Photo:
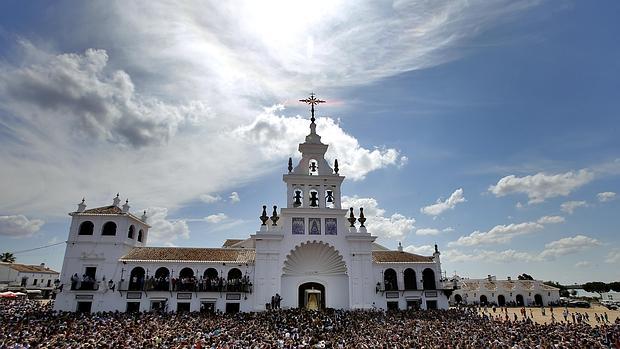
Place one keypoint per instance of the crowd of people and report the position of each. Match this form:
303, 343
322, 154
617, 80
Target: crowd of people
501, 313
31, 324
190, 284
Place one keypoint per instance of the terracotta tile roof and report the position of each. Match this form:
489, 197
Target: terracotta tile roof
489, 285
190, 254
23, 268
398, 257
104, 210
108, 210
377, 247
231, 242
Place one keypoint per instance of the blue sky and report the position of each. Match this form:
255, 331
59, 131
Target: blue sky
489, 128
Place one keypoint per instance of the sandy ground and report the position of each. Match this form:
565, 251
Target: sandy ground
536, 313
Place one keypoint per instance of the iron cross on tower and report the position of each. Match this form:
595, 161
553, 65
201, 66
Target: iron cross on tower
312, 101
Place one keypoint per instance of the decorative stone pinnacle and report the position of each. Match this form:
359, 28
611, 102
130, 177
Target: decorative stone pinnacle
274, 216
116, 200
126, 206
82, 205
264, 218
336, 169
351, 218
362, 219
290, 165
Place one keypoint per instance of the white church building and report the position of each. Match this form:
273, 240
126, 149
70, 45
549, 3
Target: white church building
508, 292
310, 254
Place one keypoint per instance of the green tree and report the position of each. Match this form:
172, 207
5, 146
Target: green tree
614, 286
563, 290
596, 287
7, 257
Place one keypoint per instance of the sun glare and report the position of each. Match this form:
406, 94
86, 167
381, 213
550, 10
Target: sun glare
287, 24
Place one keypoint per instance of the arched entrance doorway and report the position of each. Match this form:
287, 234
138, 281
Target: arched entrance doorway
538, 300
315, 267
519, 300
458, 299
501, 300
311, 296
483, 300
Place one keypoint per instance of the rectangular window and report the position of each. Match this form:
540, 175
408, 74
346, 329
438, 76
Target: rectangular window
431, 304
183, 307
413, 304
298, 226
314, 226
392, 305
133, 307
232, 308
159, 305
84, 307
207, 307
34, 282
331, 226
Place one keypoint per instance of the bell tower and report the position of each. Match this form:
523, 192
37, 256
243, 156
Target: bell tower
313, 183
312, 243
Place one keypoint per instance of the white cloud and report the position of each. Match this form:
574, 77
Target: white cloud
18, 226
552, 250
568, 245
606, 196
354, 161
216, 218
613, 256
570, 206
424, 250
427, 231
448, 230
505, 256
499, 234
234, 197
542, 186
152, 116
551, 220
81, 91
163, 230
583, 264
391, 227
441, 206
210, 199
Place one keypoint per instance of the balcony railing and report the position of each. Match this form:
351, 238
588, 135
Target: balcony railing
381, 287
188, 286
89, 285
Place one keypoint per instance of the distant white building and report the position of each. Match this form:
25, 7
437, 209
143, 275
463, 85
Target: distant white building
312, 254
610, 296
33, 279
502, 292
